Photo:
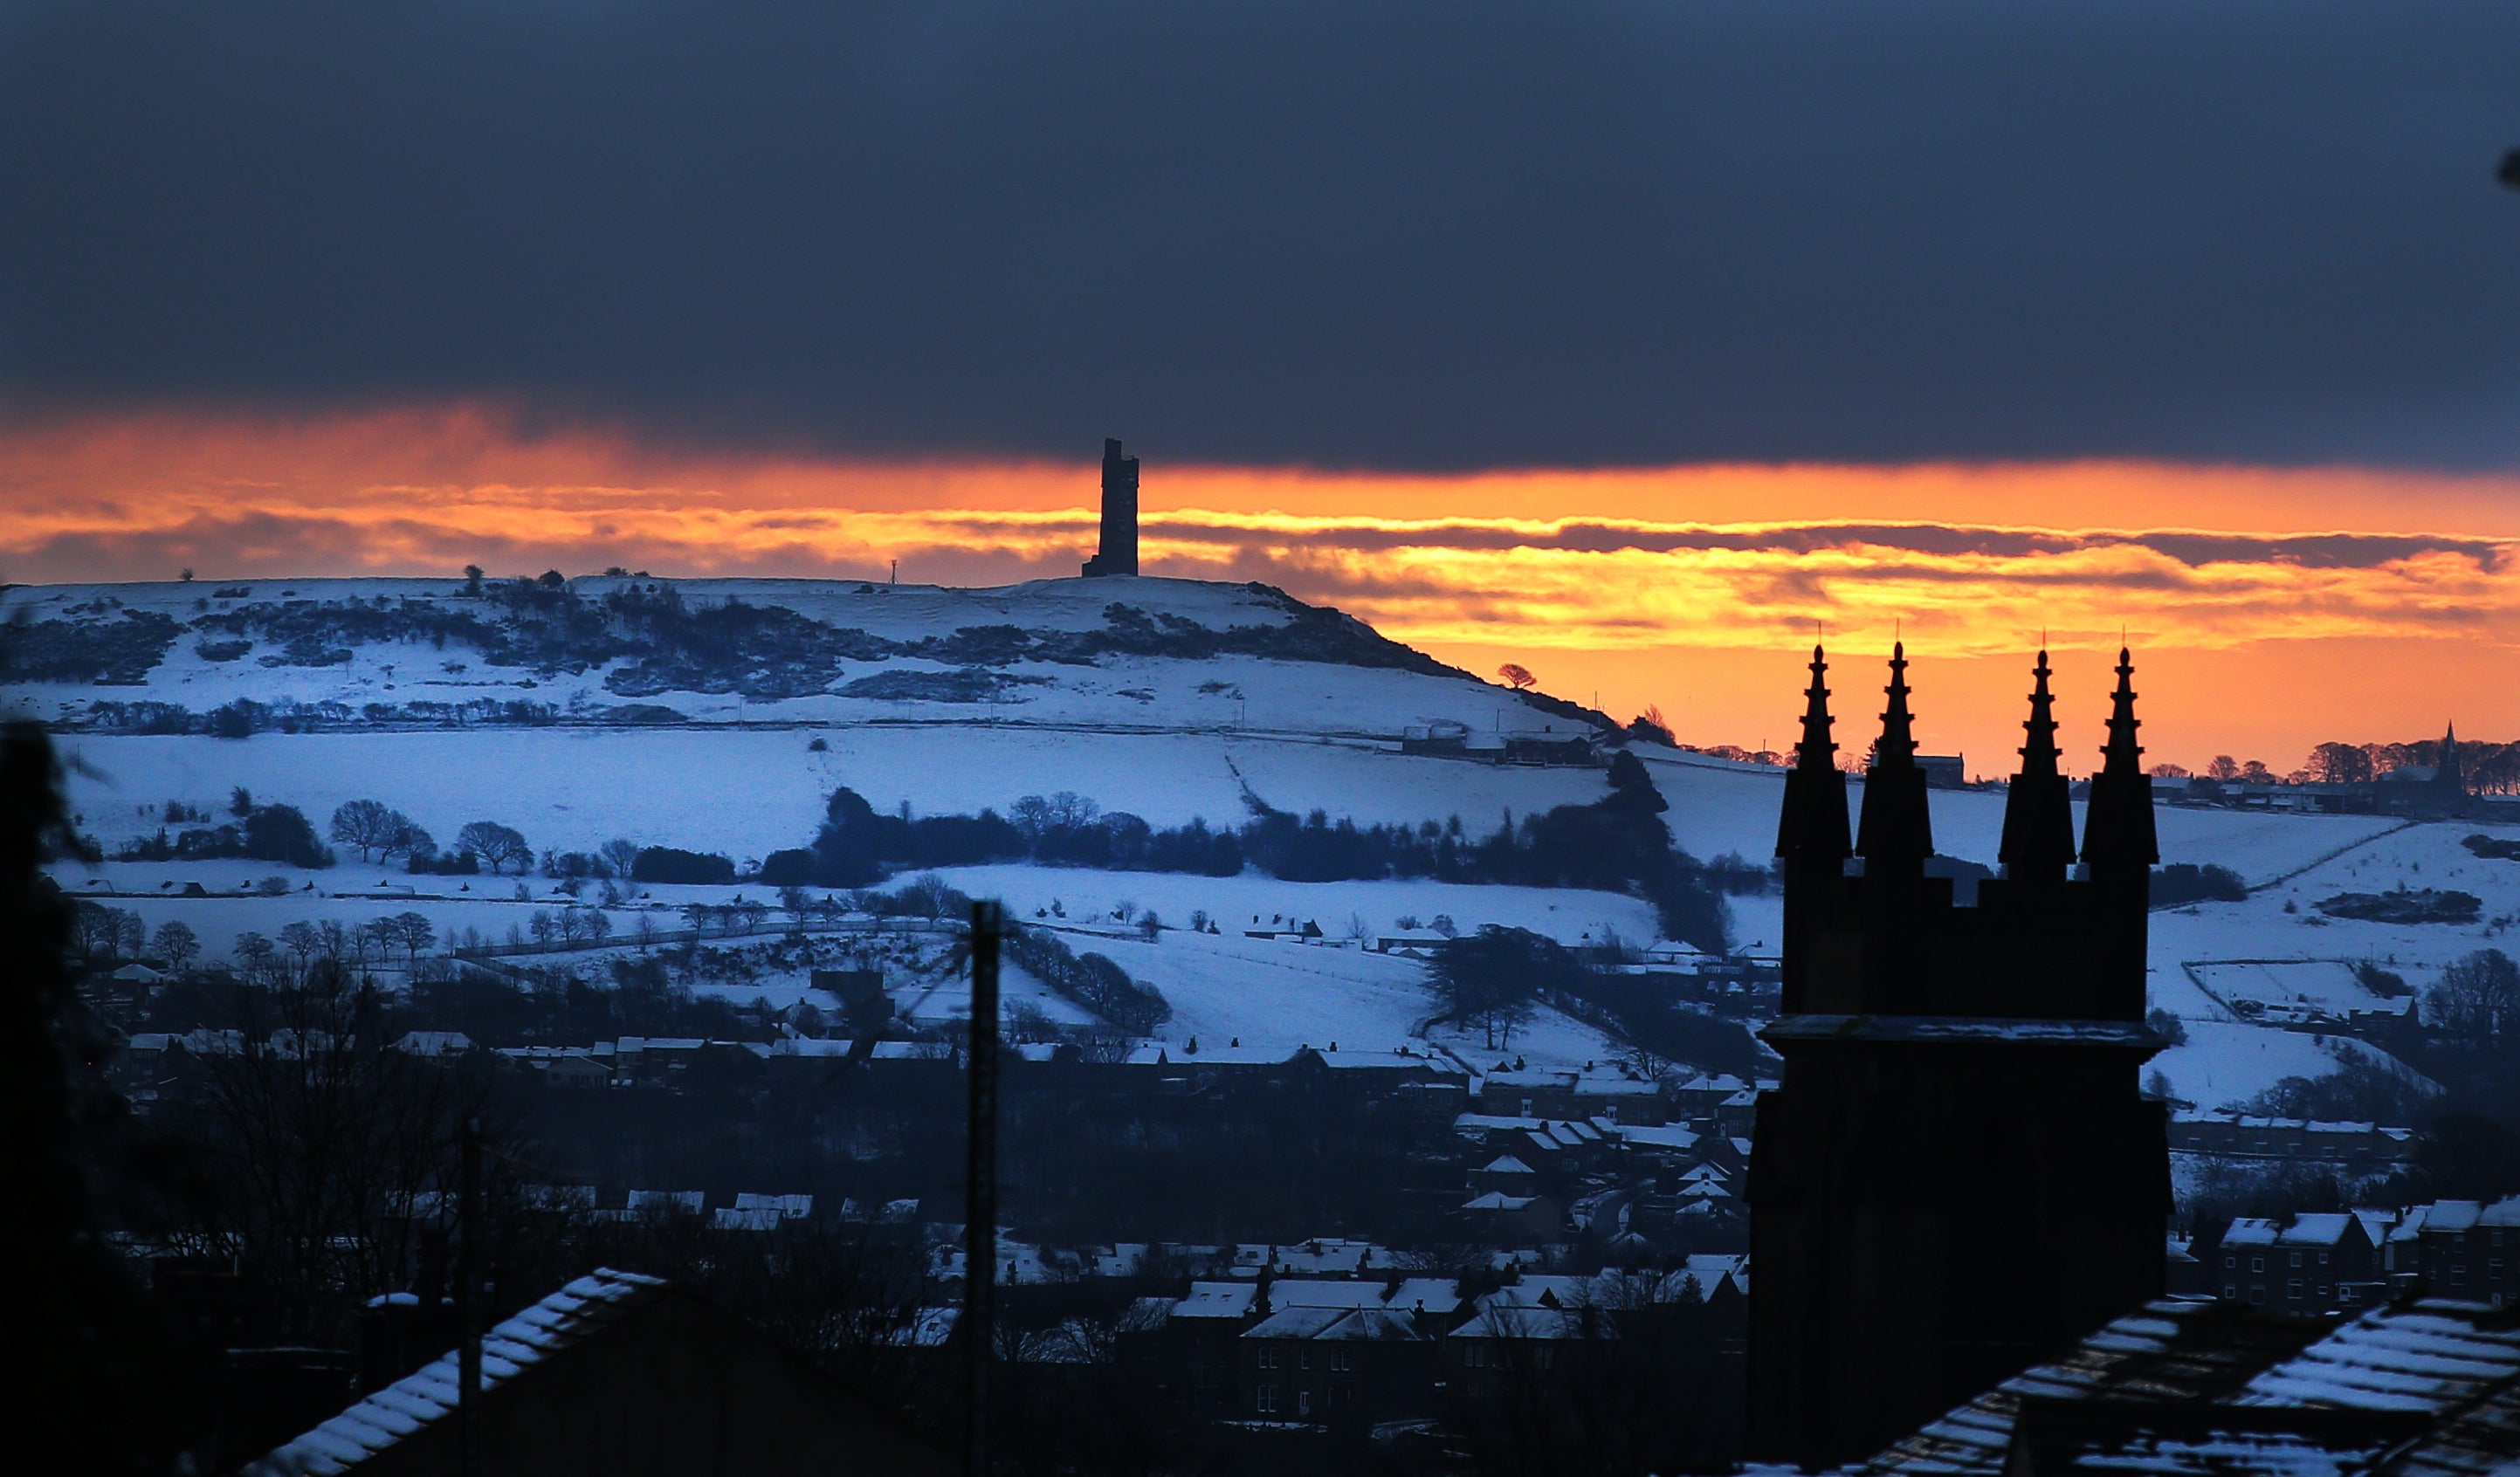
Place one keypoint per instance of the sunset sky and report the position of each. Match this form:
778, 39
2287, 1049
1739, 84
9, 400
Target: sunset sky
1626, 340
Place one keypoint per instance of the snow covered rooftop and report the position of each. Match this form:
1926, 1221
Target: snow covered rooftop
2424, 1357
1382, 1325
2183, 1386
1295, 1322
567, 1317
1431, 1294
1230, 1300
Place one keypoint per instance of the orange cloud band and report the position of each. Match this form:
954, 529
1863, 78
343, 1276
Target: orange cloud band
1974, 562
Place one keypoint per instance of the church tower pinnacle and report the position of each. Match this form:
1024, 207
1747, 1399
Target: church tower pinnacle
2037, 819
1897, 831
2118, 833
1811, 834
1813, 826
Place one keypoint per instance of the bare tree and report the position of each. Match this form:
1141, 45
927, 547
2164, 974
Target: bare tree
366, 824
497, 845
410, 839
255, 956
176, 944
2477, 1000
300, 939
621, 855
1517, 676
326, 1141
95, 929
414, 932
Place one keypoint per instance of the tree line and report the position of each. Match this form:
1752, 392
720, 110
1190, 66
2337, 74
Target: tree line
2490, 768
1618, 843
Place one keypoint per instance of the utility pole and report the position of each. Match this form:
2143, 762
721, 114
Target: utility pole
468, 1305
980, 1194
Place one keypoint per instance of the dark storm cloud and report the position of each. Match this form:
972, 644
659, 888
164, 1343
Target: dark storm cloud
1401, 235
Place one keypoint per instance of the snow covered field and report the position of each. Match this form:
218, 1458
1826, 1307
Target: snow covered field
1165, 739
751, 792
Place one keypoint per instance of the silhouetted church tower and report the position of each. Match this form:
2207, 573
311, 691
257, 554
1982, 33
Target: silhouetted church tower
1119, 553
1959, 1174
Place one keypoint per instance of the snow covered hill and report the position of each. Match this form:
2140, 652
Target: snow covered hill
718, 715
1121, 653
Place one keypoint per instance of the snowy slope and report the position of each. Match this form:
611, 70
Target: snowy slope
747, 792
1084, 652
727, 763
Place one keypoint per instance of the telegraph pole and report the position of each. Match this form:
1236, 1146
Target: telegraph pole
468, 1305
980, 1194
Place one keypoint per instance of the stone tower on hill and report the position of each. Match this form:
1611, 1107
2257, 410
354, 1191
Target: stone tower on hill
1119, 553
1959, 1174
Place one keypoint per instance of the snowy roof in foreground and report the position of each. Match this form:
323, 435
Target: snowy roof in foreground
2424, 1357
565, 1319
1975, 1438
2446, 1375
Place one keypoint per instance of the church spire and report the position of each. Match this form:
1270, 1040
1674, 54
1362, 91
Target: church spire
2118, 830
1897, 828
2038, 822
1814, 827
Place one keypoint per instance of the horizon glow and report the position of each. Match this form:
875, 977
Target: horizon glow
2270, 609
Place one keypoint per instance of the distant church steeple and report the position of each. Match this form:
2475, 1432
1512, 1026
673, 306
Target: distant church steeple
2037, 818
1897, 831
1119, 553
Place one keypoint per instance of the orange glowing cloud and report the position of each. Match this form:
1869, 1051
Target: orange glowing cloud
2275, 608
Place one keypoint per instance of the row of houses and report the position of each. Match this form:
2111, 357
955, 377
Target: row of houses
1359, 1354
2323, 1263
2356, 1148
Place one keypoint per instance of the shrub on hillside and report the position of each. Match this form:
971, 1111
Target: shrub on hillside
98, 652
283, 834
2187, 882
792, 867
2491, 848
2419, 906
672, 864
